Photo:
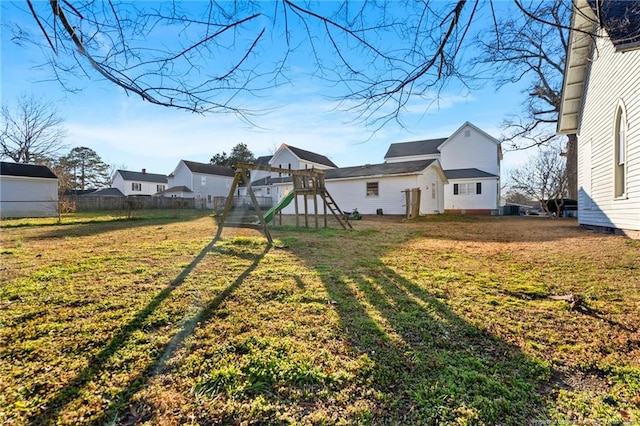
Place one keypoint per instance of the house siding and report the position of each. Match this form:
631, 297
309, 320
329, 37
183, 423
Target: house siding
612, 80
147, 188
473, 151
204, 186
350, 194
28, 197
484, 202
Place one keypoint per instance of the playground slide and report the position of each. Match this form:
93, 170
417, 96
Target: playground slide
268, 216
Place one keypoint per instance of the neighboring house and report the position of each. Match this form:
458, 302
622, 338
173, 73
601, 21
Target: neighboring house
138, 183
470, 159
205, 181
105, 192
181, 191
601, 106
27, 190
460, 173
286, 157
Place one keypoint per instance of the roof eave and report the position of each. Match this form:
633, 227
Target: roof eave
575, 71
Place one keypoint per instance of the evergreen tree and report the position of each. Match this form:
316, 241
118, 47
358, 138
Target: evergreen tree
86, 168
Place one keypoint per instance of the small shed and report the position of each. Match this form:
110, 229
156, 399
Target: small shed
27, 190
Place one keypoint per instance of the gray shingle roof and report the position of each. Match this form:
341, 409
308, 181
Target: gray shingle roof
263, 160
311, 156
26, 170
621, 19
467, 174
209, 169
142, 177
423, 147
106, 192
181, 188
404, 167
268, 180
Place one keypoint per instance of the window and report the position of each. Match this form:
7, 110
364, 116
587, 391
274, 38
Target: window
433, 191
136, 186
209, 198
203, 180
372, 189
467, 188
159, 188
620, 149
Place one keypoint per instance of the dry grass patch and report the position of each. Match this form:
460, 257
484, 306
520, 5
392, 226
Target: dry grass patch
441, 320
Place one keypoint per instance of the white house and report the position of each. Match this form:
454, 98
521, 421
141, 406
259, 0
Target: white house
200, 181
27, 190
286, 157
460, 173
138, 183
601, 106
374, 188
470, 159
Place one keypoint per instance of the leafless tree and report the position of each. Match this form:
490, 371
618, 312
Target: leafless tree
200, 56
543, 178
30, 131
531, 47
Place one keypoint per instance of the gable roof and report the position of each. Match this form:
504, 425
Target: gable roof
142, 177
106, 192
263, 160
467, 174
180, 188
477, 129
621, 20
422, 147
399, 168
310, 156
26, 170
209, 169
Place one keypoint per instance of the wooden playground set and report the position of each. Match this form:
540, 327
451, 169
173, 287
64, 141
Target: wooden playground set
308, 184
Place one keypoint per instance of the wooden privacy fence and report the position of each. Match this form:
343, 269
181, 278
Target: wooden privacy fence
97, 203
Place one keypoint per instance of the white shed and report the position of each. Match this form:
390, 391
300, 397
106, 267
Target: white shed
27, 190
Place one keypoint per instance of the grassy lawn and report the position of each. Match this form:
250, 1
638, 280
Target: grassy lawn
442, 320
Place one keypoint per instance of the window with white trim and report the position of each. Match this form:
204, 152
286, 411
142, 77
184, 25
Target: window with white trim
159, 188
620, 148
136, 186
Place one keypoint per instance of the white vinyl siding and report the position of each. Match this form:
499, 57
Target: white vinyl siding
128, 187
350, 194
475, 151
468, 197
613, 81
28, 197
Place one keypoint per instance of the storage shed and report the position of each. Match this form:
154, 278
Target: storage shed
27, 190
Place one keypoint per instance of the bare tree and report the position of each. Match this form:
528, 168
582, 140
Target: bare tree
200, 56
31, 131
531, 47
544, 179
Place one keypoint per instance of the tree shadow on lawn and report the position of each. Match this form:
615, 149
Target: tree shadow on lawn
96, 365
90, 228
430, 365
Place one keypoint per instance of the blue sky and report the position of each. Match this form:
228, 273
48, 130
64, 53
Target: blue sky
132, 134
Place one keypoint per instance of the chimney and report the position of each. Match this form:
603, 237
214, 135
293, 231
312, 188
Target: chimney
144, 171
